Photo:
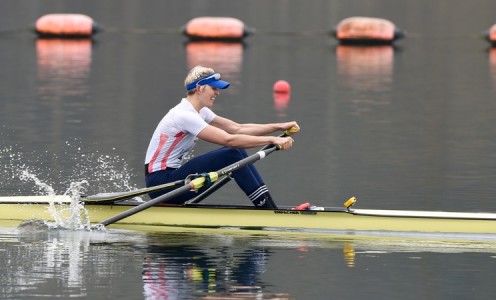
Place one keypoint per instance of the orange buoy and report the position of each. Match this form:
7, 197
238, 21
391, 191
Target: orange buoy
491, 35
216, 28
66, 25
365, 30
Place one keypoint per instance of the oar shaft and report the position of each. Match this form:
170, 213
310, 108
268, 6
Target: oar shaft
102, 197
246, 161
193, 185
209, 191
148, 204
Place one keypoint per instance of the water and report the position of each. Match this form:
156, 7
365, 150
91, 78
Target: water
404, 127
183, 264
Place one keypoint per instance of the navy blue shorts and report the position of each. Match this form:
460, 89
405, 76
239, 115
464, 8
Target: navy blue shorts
247, 178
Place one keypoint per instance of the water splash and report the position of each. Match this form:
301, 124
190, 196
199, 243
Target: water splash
79, 217
103, 172
74, 215
26, 175
40, 173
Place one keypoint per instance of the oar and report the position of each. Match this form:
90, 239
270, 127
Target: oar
220, 183
104, 197
214, 187
116, 196
194, 184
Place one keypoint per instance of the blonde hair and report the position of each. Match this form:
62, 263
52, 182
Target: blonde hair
196, 73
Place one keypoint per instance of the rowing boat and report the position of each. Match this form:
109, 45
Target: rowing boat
345, 219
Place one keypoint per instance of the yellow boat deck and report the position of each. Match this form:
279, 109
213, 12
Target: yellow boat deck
214, 216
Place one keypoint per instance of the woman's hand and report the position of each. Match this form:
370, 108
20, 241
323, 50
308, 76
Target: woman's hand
291, 127
284, 143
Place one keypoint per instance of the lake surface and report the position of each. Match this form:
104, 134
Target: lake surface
409, 126
221, 264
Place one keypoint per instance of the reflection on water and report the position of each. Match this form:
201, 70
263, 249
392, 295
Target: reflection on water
365, 71
225, 58
37, 262
492, 64
281, 103
187, 264
63, 67
42, 262
210, 265
349, 254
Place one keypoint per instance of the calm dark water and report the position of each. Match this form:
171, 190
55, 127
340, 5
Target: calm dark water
236, 265
404, 127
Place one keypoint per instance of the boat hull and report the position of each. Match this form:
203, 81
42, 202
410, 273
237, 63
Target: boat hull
335, 219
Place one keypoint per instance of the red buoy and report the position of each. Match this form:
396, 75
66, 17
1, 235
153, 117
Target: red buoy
216, 28
491, 35
66, 25
282, 86
365, 30
282, 94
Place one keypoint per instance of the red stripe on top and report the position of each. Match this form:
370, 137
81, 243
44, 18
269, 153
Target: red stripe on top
163, 139
177, 138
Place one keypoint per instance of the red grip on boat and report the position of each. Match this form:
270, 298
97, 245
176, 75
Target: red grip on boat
303, 206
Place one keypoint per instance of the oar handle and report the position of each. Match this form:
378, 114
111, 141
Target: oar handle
290, 131
286, 133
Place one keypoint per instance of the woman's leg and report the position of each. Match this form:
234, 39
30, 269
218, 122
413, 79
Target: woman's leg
247, 178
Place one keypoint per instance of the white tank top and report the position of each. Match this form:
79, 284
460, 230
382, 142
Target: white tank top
175, 136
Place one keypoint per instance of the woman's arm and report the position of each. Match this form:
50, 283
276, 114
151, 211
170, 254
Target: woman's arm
218, 136
232, 127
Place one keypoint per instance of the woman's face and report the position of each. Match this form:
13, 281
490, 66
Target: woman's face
208, 95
